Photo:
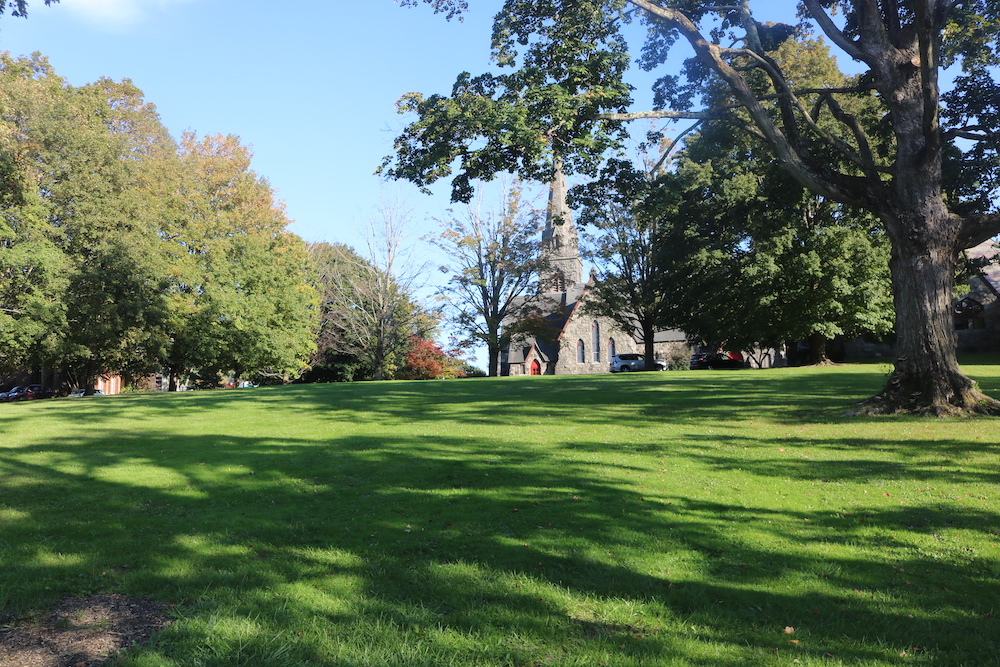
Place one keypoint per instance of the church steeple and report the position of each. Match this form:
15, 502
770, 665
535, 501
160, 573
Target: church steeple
560, 241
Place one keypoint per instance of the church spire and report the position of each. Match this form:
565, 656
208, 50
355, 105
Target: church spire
560, 242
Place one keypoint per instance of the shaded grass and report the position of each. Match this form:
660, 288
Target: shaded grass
684, 518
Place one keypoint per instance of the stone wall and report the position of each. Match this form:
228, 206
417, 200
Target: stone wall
580, 328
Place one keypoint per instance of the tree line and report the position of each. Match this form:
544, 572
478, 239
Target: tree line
125, 251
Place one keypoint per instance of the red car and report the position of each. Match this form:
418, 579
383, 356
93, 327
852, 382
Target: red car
28, 393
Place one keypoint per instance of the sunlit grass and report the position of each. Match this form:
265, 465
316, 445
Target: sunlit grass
689, 518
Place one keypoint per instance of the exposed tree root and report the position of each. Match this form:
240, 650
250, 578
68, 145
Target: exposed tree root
969, 402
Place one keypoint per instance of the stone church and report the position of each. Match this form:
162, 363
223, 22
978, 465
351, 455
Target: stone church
977, 315
579, 342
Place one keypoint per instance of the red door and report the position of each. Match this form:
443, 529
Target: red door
536, 368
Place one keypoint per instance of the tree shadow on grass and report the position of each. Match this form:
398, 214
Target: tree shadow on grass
433, 548
788, 396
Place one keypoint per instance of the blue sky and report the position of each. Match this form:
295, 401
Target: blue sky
309, 84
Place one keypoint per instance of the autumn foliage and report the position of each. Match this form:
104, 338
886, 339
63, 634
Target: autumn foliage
426, 360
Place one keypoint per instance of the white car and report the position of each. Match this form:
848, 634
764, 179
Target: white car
79, 394
624, 363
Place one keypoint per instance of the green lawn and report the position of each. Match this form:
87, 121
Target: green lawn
685, 518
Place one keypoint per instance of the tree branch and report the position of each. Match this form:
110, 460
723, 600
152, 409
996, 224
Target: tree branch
832, 31
973, 133
851, 121
662, 113
978, 228
673, 144
818, 178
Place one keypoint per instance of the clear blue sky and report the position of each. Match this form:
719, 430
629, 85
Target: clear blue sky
309, 84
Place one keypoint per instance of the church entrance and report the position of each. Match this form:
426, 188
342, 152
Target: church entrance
536, 368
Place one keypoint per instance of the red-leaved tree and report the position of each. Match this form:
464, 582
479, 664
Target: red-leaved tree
426, 360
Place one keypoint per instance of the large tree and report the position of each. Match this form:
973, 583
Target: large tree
898, 173
33, 268
629, 211
494, 259
84, 160
241, 295
764, 260
336, 358
375, 293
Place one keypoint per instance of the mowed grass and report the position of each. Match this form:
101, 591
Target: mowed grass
684, 518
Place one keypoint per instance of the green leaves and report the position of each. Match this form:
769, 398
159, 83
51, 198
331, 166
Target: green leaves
120, 254
569, 57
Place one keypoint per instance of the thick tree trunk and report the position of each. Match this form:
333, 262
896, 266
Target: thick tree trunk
90, 378
647, 338
927, 378
817, 349
494, 361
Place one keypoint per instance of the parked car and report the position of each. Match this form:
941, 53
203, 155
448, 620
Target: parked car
28, 392
715, 361
79, 393
36, 391
624, 363
6, 395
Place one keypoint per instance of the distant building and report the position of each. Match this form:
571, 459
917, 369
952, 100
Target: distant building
977, 315
573, 341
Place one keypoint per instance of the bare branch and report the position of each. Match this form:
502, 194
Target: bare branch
818, 178
670, 148
973, 133
660, 113
832, 31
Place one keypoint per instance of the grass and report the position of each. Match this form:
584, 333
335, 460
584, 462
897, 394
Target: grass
690, 518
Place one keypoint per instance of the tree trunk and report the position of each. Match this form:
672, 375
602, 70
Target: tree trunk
927, 378
817, 349
378, 362
648, 350
172, 379
90, 378
494, 361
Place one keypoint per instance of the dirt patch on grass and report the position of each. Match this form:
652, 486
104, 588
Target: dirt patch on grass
81, 632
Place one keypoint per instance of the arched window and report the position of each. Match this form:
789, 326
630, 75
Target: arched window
581, 352
611, 348
595, 340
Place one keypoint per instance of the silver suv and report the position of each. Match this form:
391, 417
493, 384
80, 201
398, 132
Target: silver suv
624, 363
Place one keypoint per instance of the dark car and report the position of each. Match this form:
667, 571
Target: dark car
14, 391
36, 391
28, 392
715, 361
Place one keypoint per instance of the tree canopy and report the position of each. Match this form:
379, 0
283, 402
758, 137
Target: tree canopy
494, 258
932, 194
122, 252
18, 7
